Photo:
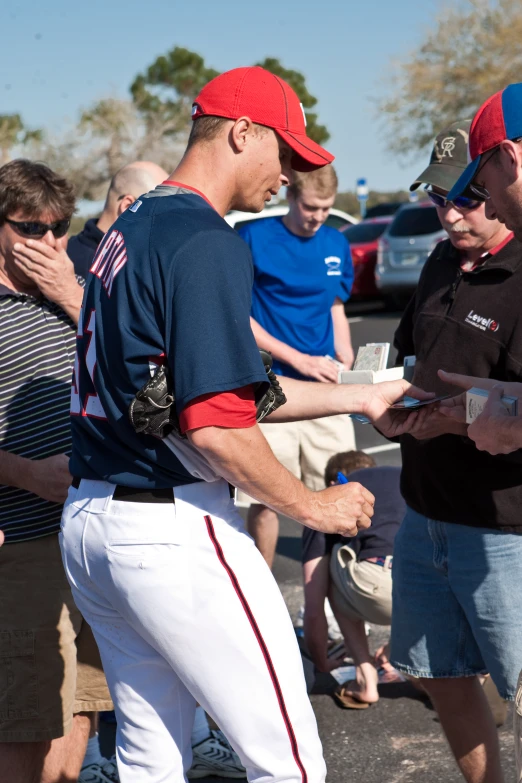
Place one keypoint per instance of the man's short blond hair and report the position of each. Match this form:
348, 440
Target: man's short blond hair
323, 181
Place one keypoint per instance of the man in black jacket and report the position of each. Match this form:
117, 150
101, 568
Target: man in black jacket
127, 184
458, 554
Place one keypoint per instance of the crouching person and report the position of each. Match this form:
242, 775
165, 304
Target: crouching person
355, 574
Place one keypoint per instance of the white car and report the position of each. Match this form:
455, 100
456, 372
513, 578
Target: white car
336, 219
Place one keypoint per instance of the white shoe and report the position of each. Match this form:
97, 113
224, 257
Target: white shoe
214, 756
100, 773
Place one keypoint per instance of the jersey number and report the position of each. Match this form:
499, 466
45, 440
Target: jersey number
92, 405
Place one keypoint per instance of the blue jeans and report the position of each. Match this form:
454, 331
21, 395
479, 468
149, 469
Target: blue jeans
457, 609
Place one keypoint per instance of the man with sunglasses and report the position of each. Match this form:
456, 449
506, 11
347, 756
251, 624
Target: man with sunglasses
51, 680
459, 549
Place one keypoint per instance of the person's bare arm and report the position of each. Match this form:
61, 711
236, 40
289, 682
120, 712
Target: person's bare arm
311, 366
52, 271
316, 577
342, 335
48, 478
244, 458
313, 400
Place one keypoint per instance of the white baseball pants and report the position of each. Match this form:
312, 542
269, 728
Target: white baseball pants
185, 610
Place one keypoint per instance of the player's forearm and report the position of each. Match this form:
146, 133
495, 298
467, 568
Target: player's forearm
244, 458
279, 350
313, 400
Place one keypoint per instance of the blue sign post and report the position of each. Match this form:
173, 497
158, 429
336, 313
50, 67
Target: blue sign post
361, 191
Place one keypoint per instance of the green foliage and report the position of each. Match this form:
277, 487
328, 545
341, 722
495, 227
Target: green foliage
296, 80
13, 133
169, 85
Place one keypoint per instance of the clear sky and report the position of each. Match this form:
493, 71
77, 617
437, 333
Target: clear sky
59, 56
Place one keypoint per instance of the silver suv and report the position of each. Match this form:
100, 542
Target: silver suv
404, 248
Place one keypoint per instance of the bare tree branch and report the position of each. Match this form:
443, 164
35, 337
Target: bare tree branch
473, 51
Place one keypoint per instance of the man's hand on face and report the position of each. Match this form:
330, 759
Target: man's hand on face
47, 264
393, 423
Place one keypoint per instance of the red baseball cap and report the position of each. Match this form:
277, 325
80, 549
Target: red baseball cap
499, 118
268, 100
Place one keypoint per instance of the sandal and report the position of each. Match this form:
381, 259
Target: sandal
348, 700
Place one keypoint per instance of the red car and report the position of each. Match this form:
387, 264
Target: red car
363, 239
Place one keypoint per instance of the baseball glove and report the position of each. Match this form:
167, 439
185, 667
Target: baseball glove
153, 409
274, 397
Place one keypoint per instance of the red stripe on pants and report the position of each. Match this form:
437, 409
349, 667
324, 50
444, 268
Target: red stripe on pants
262, 645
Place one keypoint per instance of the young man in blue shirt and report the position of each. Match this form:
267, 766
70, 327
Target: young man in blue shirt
303, 275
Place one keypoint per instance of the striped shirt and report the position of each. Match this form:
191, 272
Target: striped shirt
37, 347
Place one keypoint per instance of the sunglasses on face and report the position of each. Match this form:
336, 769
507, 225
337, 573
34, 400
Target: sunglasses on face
461, 202
479, 190
33, 229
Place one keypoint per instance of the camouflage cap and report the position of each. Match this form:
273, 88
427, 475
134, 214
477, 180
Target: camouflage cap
449, 157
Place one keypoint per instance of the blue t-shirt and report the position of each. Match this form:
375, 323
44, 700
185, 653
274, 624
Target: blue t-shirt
296, 281
171, 281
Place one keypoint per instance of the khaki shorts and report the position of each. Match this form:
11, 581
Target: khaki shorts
50, 666
361, 590
304, 448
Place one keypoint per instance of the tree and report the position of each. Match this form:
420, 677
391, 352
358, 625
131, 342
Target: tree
296, 80
109, 134
153, 124
13, 133
168, 87
473, 51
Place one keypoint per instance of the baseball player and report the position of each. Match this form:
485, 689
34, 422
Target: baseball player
183, 606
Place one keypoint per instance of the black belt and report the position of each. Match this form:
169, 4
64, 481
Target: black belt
134, 495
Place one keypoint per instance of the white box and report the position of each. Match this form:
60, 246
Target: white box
371, 376
476, 400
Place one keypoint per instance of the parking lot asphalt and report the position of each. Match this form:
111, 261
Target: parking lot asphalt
399, 739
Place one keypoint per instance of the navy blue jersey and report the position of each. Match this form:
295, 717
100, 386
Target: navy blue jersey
171, 282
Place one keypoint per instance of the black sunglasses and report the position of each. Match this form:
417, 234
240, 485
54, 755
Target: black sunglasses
36, 230
461, 202
480, 190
